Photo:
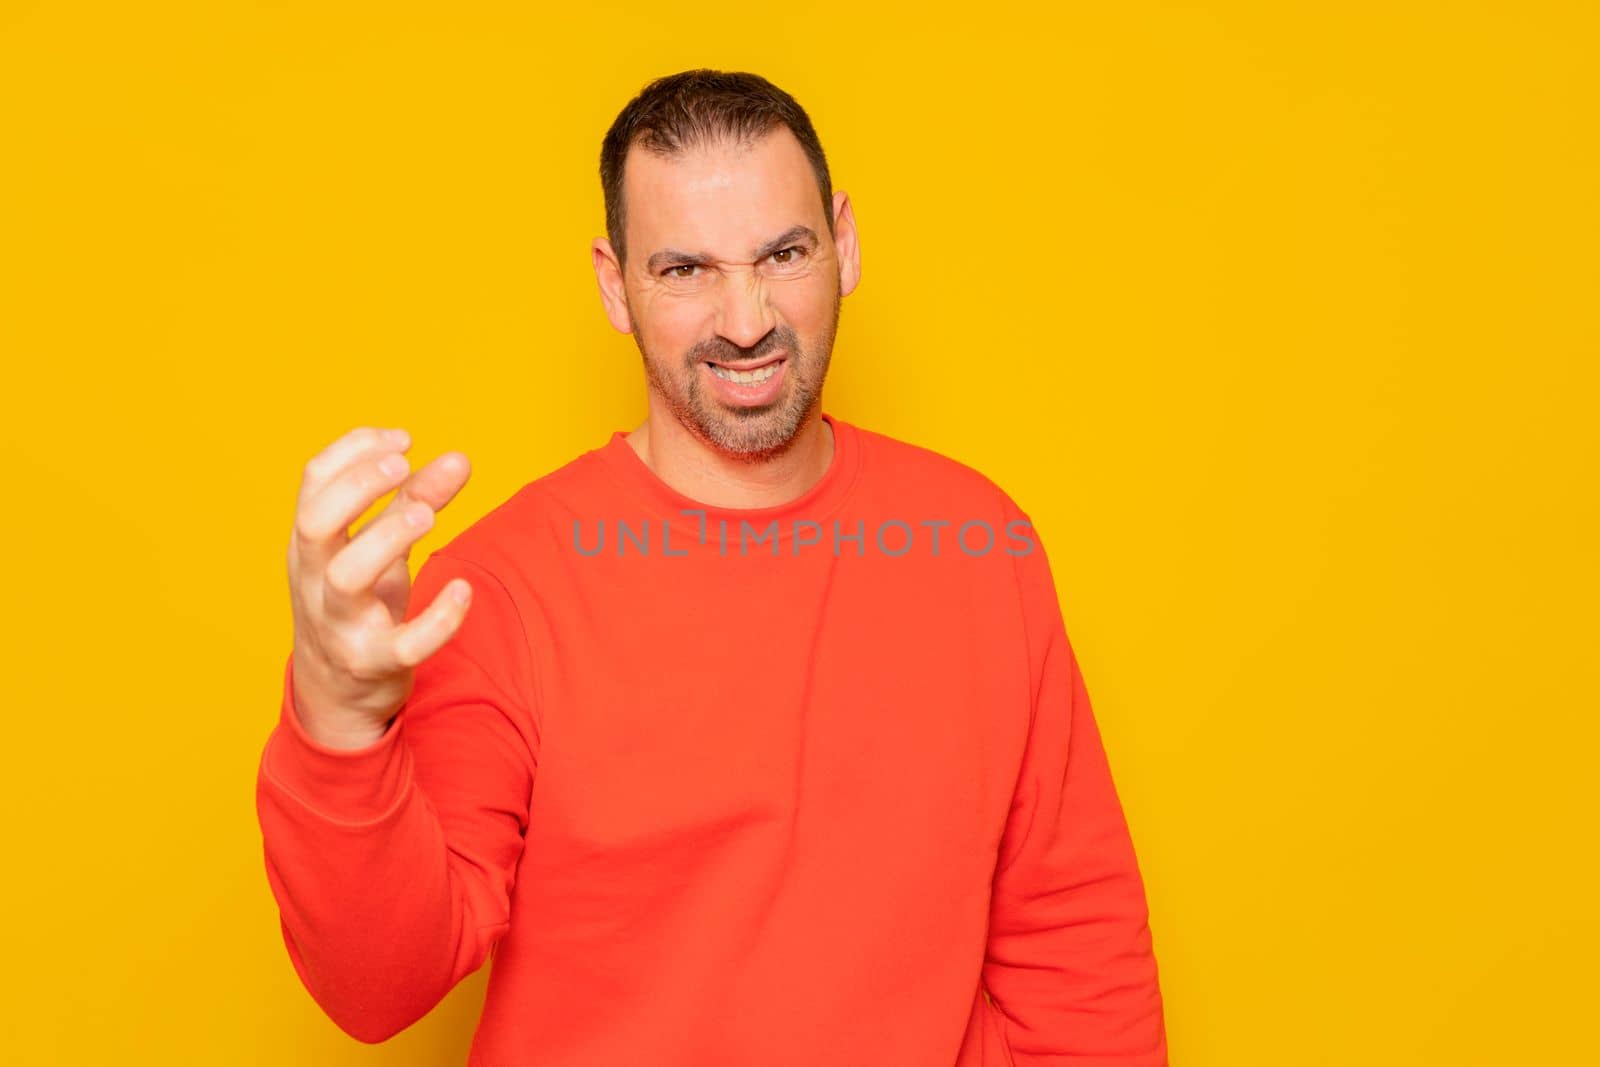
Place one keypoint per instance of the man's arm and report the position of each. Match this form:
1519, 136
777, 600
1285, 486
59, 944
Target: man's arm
392, 865
1069, 960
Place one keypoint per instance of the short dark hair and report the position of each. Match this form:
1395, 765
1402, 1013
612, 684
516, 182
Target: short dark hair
700, 107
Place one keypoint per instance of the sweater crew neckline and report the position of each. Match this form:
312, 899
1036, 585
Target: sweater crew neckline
817, 503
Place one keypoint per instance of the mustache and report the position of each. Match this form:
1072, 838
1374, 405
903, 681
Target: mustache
722, 350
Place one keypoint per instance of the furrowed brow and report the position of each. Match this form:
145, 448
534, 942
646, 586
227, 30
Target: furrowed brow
793, 235
672, 257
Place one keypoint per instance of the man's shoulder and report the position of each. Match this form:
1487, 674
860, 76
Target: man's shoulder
919, 473
526, 518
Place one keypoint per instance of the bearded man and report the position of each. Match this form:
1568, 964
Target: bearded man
749, 736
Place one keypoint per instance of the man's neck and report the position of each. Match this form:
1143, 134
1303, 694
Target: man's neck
701, 473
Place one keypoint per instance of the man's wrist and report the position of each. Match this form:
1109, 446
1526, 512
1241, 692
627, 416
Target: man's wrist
323, 718
353, 786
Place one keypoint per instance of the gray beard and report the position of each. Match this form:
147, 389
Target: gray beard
747, 433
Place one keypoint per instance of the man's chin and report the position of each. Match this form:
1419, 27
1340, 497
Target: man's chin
751, 432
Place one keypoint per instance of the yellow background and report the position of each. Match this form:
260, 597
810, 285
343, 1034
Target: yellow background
1280, 318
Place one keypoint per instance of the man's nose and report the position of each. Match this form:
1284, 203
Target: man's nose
744, 316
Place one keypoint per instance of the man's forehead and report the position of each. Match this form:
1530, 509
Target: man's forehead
695, 170
721, 188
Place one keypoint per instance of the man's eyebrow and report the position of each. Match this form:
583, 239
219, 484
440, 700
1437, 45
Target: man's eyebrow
788, 237
659, 261
672, 257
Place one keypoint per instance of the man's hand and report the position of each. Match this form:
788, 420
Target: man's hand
353, 654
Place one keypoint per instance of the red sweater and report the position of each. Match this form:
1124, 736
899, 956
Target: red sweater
797, 785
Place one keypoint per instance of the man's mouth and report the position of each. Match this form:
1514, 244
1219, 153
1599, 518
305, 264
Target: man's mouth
752, 373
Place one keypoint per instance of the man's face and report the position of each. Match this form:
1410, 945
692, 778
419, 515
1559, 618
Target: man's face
733, 288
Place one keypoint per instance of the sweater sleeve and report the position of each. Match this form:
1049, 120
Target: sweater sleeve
1069, 960
392, 865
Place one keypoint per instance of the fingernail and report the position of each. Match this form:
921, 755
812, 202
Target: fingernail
394, 466
398, 438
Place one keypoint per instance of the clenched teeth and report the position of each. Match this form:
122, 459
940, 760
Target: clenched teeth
745, 377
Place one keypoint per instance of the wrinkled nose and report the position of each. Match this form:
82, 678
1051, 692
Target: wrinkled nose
744, 317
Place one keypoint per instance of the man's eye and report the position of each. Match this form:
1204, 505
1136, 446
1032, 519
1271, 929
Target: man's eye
785, 256
682, 270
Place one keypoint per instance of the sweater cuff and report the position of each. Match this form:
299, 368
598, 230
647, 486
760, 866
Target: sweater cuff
350, 787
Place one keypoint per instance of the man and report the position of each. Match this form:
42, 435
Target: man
761, 741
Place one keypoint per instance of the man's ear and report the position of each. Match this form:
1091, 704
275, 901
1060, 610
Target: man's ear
845, 243
608, 273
